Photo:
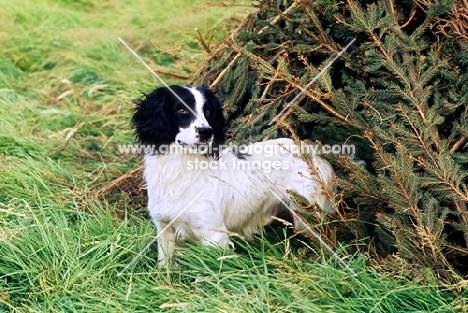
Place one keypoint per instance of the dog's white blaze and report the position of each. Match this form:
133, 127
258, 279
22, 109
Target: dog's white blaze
199, 104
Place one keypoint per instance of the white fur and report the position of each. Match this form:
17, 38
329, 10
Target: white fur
234, 200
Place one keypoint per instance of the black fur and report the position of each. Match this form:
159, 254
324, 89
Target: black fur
156, 123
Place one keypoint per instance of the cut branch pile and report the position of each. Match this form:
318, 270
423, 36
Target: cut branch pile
399, 94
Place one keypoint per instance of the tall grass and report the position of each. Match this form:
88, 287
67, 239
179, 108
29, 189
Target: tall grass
61, 259
66, 86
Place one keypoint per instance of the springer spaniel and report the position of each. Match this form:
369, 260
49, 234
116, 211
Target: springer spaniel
199, 189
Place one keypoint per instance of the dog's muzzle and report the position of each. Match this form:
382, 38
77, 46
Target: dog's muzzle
205, 133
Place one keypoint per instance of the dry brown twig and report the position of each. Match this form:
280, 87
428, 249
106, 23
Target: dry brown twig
130, 181
223, 72
202, 42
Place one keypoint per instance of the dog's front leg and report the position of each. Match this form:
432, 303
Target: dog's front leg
166, 243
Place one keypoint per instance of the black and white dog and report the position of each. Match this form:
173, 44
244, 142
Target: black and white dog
208, 196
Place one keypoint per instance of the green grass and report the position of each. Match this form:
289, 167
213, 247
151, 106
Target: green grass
67, 261
66, 85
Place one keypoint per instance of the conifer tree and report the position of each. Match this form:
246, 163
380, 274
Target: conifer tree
400, 94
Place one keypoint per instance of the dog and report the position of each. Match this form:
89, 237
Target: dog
199, 189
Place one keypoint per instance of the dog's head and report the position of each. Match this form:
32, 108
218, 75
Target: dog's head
184, 115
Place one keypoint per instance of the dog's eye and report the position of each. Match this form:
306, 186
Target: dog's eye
182, 111
207, 112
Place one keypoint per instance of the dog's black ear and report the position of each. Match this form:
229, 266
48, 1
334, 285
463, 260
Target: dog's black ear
216, 117
152, 119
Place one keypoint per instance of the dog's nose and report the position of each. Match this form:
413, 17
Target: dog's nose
205, 132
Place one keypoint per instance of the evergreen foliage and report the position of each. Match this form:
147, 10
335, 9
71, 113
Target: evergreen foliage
400, 94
